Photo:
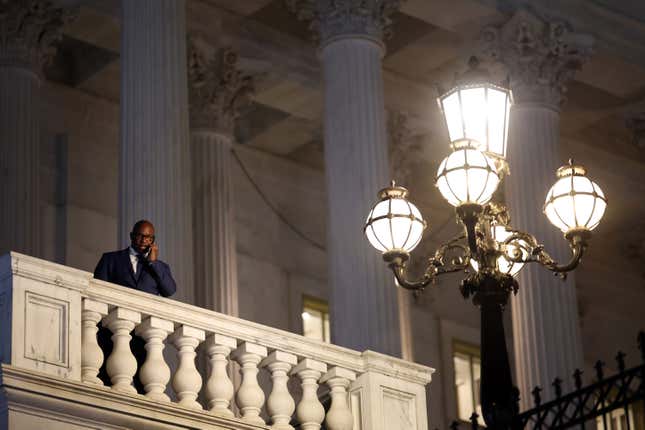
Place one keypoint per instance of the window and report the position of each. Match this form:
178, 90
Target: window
315, 319
467, 362
616, 420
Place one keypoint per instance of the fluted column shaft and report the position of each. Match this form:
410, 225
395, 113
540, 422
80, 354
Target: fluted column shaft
546, 331
154, 181
19, 146
28, 32
214, 213
541, 58
217, 89
364, 308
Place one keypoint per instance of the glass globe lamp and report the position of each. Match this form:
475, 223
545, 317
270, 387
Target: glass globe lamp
394, 224
467, 176
574, 202
515, 249
475, 109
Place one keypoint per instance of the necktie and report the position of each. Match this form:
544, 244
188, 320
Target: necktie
140, 259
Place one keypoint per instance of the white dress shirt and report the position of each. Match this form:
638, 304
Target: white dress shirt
134, 259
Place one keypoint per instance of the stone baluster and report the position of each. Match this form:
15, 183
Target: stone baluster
155, 373
91, 354
310, 412
121, 364
219, 388
339, 416
280, 403
250, 396
187, 381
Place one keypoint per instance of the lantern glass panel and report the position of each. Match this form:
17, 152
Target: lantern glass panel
452, 114
574, 202
498, 111
473, 103
467, 176
598, 212
394, 223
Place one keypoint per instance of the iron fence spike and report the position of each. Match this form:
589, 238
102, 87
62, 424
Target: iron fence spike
620, 360
577, 378
599, 373
557, 385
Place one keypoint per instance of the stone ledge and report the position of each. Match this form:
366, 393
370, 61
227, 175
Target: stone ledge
100, 404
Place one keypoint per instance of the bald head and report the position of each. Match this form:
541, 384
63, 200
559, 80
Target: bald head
142, 236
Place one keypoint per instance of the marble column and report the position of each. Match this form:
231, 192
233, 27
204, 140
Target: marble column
364, 308
541, 58
154, 179
217, 91
28, 30
403, 153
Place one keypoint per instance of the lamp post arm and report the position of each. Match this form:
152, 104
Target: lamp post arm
545, 259
536, 253
420, 284
458, 254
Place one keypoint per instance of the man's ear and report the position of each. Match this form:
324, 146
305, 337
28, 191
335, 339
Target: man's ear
131, 235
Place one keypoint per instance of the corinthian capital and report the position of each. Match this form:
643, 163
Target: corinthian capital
335, 18
28, 30
217, 88
541, 57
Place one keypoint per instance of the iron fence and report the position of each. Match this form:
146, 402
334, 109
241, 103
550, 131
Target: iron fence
608, 403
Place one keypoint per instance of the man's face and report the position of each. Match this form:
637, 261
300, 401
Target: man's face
142, 237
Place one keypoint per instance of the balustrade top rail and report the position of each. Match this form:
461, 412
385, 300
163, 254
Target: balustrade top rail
49, 323
210, 321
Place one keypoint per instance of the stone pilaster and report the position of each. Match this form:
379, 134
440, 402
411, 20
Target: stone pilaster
541, 58
364, 309
154, 181
217, 91
28, 30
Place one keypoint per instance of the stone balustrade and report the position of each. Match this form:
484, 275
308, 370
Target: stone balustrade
48, 323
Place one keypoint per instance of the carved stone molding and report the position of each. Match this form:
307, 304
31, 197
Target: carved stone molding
28, 31
217, 89
636, 123
336, 18
404, 150
541, 57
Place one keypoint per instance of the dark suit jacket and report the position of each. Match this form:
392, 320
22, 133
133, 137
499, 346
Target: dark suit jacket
155, 277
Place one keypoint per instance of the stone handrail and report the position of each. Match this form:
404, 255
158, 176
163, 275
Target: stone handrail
49, 325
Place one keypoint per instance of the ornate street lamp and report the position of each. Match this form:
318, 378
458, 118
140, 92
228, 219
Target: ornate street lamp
476, 114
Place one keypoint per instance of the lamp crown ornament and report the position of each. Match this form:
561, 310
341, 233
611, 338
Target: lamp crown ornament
489, 250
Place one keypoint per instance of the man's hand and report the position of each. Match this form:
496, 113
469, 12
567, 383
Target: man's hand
154, 251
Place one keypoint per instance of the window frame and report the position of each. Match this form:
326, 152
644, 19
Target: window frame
319, 305
471, 351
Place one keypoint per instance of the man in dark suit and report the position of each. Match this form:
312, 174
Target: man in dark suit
135, 267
